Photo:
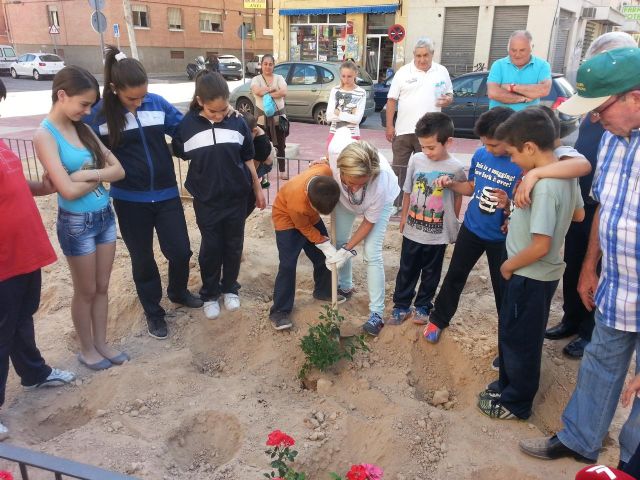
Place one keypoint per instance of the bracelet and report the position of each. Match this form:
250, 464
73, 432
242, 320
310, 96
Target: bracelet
98, 172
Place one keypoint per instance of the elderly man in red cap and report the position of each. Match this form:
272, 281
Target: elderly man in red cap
609, 90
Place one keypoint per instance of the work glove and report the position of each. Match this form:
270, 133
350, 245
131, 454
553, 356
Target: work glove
340, 258
326, 248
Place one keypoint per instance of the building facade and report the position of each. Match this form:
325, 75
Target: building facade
468, 34
168, 35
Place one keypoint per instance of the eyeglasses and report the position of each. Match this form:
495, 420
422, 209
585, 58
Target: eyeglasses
596, 114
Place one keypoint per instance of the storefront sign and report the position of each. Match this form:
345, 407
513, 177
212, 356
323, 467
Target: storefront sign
255, 3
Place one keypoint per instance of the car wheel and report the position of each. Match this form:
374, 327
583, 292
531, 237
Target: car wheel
14, 74
244, 105
320, 114
36, 75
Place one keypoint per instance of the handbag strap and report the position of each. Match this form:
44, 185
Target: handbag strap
265, 81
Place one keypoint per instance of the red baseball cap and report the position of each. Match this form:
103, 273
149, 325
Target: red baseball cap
602, 472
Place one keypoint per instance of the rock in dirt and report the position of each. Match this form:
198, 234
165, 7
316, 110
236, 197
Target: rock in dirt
440, 397
323, 386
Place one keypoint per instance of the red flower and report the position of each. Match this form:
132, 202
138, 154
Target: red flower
279, 439
6, 476
357, 472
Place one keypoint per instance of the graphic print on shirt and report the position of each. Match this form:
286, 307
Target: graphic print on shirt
426, 205
346, 102
487, 201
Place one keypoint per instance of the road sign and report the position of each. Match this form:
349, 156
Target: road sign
243, 31
96, 4
116, 30
98, 22
396, 33
54, 30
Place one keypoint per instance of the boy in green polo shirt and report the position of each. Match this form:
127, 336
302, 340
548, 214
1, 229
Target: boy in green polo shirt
533, 268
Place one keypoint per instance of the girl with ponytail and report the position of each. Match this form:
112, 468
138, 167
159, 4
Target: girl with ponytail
77, 163
133, 123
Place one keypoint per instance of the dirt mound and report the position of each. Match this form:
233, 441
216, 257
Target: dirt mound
201, 404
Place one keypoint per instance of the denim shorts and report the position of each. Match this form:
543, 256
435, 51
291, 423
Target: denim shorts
79, 233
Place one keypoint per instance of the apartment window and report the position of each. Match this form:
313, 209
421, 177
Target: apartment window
54, 19
140, 16
177, 54
175, 18
210, 22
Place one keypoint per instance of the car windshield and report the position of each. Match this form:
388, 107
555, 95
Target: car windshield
50, 58
9, 52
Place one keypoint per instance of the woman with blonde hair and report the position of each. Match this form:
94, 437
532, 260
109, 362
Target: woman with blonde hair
368, 188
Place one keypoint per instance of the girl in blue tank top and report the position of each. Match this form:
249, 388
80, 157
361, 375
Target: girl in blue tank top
77, 163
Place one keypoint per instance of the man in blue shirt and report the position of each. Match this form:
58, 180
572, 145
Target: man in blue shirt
609, 91
520, 79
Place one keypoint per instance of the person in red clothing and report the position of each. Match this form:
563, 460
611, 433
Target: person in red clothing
298, 227
24, 250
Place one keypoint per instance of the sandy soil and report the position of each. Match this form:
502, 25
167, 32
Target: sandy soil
201, 404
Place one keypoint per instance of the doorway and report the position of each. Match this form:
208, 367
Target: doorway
378, 55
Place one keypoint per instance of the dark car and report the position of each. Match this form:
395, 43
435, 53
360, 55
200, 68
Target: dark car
230, 67
470, 100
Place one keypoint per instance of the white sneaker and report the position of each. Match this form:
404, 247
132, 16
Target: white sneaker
4, 432
56, 378
231, 301
212, 309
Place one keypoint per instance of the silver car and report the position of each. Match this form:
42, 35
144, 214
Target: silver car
308, 86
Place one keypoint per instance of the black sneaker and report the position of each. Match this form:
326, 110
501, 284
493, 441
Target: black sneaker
494, 409
489, 394
327, 297
189, 300
345, 293
157, 327
281, 321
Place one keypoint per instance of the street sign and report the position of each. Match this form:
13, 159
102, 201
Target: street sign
116, 30
96, 4
396, 33
255, 3
54, 30
243, 31
98, 22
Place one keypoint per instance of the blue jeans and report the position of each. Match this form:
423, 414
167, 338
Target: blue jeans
79, 233
372, 254
588, 414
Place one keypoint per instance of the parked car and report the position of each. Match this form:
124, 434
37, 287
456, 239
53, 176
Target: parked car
470, 100
253, 66
36, 65
7, 57
308, 86
230, 67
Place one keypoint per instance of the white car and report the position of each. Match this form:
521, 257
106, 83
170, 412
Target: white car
36, 65
254, 65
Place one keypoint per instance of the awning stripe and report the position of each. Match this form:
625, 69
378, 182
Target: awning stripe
341, 10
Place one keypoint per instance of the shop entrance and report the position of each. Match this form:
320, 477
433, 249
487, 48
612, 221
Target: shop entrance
379, 56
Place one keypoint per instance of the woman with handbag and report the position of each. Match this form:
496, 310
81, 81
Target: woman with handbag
269, 90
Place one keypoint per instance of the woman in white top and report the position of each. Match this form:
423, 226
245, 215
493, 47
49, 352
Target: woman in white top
276, 86
346, 102
368, 188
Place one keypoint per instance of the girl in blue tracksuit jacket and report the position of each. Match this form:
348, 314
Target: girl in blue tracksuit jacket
133, 124
221, 178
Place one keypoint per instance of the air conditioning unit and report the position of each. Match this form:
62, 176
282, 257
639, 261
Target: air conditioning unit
588, 12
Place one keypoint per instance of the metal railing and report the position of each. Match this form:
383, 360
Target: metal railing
33, 170
60, 467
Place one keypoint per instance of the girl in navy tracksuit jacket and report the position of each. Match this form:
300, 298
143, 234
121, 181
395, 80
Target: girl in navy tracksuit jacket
221, 178
133, 124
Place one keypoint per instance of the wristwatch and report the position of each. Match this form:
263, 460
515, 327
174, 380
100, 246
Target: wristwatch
512, 87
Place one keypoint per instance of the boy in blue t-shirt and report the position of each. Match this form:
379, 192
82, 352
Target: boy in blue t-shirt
533, 268
492, 180
429, 220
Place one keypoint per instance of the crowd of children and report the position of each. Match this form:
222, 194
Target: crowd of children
120, 139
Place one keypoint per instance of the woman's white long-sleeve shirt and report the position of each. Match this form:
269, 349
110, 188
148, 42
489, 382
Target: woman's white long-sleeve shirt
349, 105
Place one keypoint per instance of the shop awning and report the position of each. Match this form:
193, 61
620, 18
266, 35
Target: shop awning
390, 8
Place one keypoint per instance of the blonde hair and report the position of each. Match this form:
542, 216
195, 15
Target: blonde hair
359, 159
351, 66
